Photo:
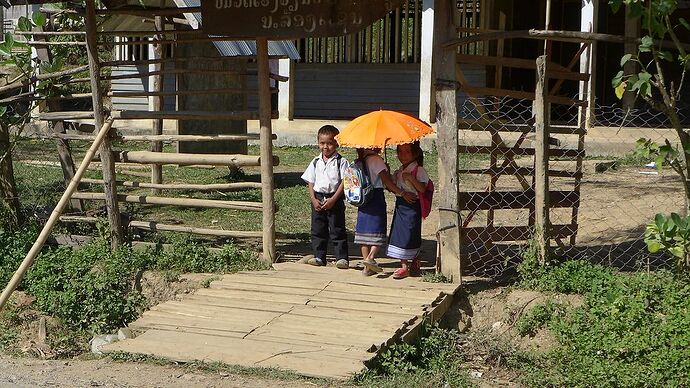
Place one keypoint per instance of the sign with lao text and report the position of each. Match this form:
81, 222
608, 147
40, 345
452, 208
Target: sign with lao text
291, 19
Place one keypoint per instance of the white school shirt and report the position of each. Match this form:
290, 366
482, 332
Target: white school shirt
375, 165
325, 176
422, 176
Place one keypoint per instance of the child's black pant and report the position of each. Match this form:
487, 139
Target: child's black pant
329, 223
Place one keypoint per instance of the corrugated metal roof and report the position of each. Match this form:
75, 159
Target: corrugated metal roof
225, 48
245, 47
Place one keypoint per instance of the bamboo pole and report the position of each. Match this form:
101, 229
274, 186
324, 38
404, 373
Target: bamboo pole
182, 186
269, 225
155, 226
55, 215
182, 202
108, 164
147, 157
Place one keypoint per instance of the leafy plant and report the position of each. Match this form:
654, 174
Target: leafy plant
538, 317
672, 235
659, 48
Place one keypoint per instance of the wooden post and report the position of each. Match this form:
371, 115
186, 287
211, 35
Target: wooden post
269, 224
157, 102
107, 163
541, 160
286, 91
632, 30
58, 127
427, 110
588, 23
55, 215
447, 143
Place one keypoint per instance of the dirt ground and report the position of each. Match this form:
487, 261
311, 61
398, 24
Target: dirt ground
26, 372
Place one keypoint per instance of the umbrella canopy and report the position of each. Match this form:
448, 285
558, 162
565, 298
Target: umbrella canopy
381, 128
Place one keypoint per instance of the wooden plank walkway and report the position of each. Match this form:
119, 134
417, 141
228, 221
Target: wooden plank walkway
315, 321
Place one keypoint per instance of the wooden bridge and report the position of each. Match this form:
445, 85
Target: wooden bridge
314, 321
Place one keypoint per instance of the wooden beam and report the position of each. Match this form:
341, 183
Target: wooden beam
147, 157
158, 227
182, 202
182, 186
186, 115
506, 200
447, 142
542, 114
149, 12
108, 164
267, 190
174, 138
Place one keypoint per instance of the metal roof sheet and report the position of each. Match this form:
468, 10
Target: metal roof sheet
283, 48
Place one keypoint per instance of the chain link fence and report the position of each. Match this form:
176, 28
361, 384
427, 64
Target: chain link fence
603, 192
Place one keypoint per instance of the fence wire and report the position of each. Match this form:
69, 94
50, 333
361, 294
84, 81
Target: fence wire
603, 192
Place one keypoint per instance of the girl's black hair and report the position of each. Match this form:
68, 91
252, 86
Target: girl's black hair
416, 149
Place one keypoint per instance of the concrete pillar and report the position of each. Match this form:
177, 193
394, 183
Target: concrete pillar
427, 101
286, 92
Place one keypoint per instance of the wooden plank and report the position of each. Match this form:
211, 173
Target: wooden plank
187, 346
155, 226
513, 233
480, 200
502, 126
522, 95
523, 171
521, 151
187, 115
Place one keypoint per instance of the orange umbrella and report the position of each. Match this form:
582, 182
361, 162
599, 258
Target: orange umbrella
381, 128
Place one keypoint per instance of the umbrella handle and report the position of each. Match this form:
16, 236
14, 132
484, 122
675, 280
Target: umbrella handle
385, 153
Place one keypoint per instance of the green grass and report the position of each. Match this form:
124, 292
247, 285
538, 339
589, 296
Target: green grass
632, 330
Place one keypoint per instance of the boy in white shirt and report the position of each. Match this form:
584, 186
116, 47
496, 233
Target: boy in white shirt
324, 177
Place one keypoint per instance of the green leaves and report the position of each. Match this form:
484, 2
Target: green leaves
39, 18
670, 234
646, 44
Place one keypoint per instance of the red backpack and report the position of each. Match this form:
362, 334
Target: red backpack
425, 197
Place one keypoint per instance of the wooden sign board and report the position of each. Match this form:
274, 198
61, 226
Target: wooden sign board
291, 19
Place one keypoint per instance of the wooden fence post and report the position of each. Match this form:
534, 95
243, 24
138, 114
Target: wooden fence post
265, 109
542, 115
157, 102
447, 141
105, 151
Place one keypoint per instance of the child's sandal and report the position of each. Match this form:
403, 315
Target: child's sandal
401, 273
372, 266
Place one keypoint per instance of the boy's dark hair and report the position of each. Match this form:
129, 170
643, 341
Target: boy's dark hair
328, 130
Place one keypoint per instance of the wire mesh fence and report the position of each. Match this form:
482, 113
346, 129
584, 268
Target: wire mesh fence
603, 192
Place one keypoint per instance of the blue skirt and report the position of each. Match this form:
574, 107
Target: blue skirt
372, 220
406, 231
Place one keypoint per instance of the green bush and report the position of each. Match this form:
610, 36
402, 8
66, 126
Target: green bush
13, 249
538, 317
569, 277
632, 331
434, 361
90, 288
188, 255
